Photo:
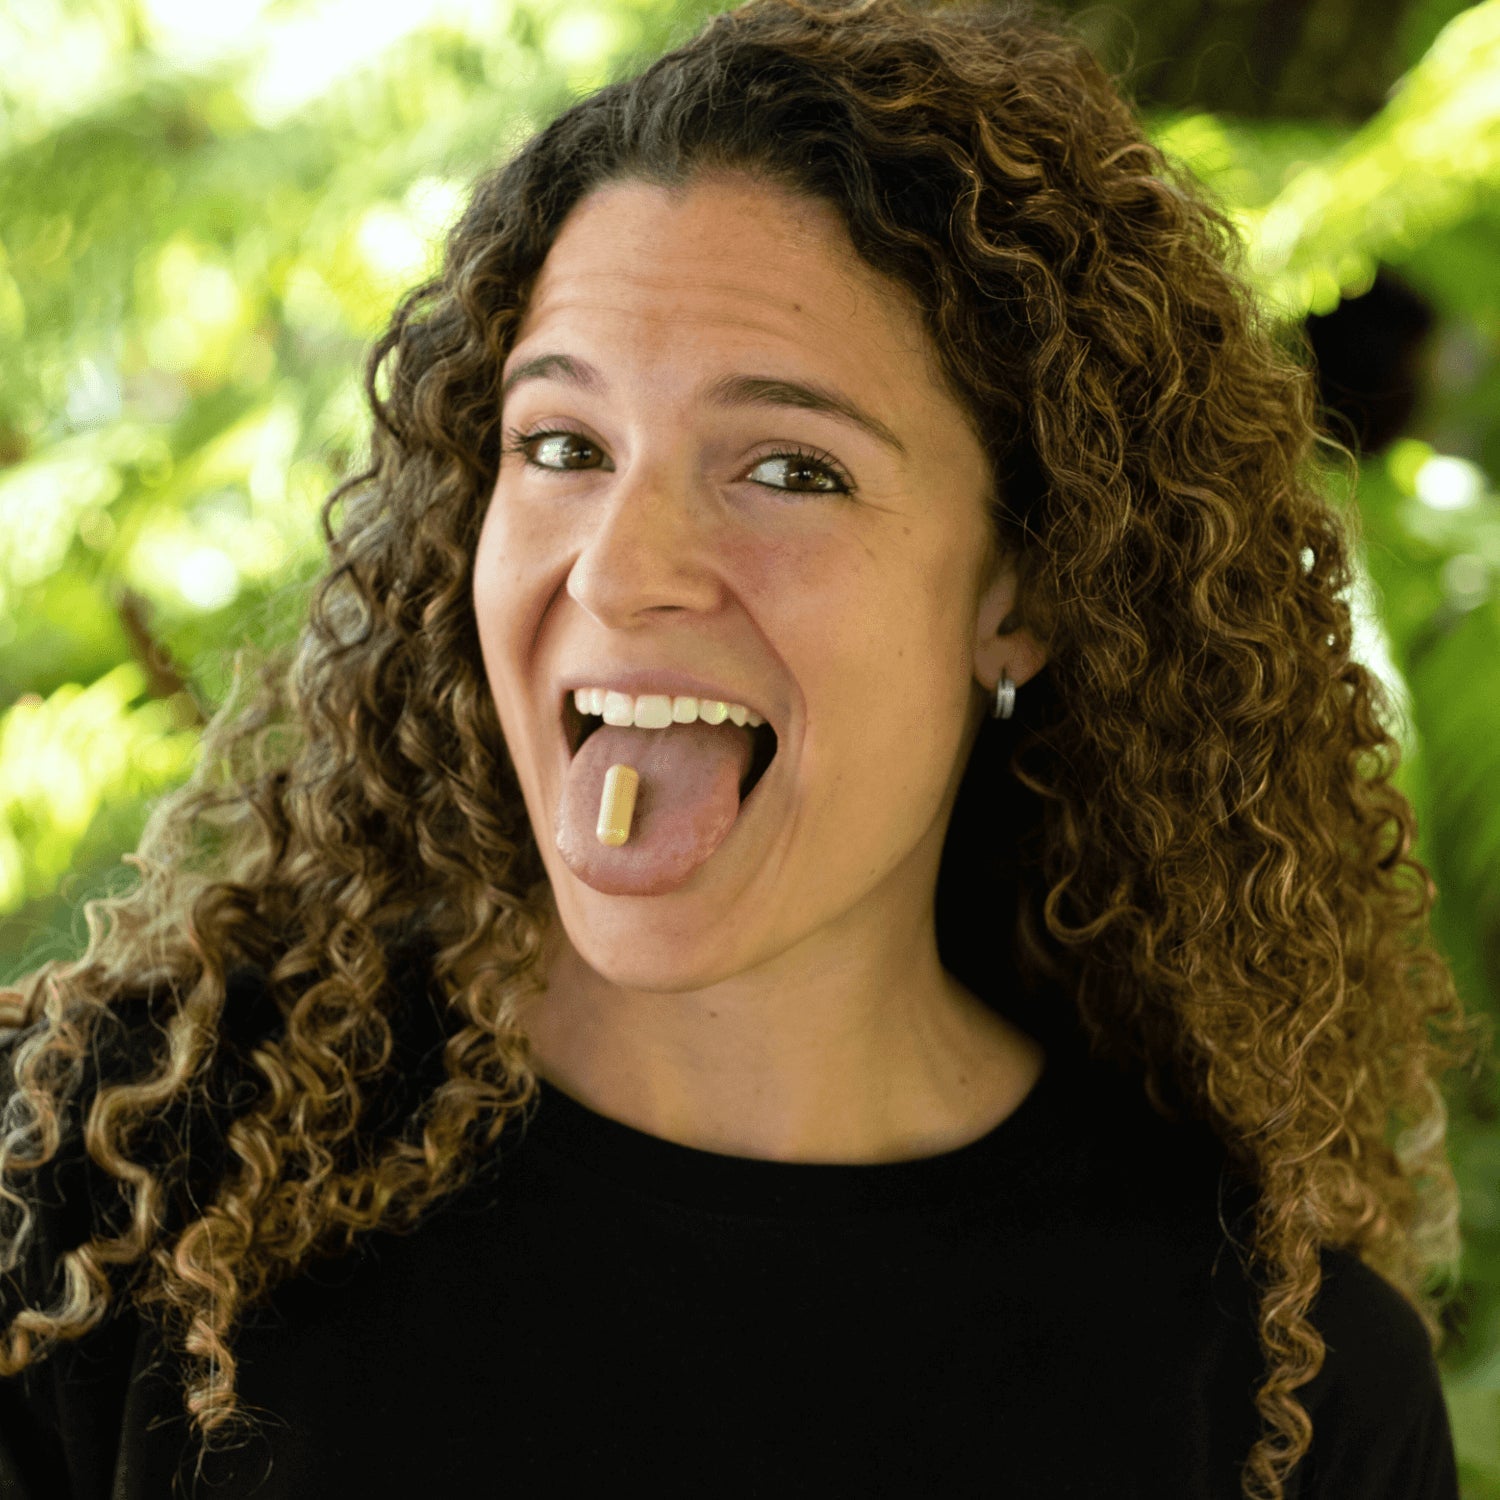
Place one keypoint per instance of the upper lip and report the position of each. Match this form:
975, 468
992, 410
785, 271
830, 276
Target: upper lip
638, 680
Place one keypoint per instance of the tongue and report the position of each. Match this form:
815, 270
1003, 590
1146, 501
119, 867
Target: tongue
687, 800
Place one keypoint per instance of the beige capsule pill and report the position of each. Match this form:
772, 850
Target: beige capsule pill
617, 805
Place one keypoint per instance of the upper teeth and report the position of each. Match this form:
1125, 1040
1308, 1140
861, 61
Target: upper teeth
657, 710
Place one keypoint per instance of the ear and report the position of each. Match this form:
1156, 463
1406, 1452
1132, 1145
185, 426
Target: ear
1001, 642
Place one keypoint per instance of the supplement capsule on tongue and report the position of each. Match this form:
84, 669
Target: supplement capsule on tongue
617, 805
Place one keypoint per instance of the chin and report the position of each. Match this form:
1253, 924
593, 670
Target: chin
634, 943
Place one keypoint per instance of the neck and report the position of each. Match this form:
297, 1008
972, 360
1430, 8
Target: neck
856, 1053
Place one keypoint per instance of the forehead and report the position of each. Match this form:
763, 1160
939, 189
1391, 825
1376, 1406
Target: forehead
724, 266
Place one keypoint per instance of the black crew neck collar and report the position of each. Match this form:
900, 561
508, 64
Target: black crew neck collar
651, 1166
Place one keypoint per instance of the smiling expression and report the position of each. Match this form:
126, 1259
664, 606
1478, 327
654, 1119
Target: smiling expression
757, 488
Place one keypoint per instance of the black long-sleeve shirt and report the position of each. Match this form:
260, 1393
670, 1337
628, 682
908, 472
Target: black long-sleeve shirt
1051, 1311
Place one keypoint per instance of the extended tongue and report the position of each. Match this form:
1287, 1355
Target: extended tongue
687, 800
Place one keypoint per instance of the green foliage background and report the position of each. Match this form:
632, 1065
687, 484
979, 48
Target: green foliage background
207, 211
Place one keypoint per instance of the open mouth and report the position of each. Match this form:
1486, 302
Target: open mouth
578, 727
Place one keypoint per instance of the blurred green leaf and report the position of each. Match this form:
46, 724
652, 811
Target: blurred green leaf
1421, 164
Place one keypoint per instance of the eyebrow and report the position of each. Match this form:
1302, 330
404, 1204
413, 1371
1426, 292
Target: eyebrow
727, 391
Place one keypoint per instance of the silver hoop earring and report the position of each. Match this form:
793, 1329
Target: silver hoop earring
1005, 698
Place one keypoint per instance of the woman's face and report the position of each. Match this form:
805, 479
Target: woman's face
671, 543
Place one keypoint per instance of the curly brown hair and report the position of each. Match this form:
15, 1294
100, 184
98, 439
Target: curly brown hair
1191, 817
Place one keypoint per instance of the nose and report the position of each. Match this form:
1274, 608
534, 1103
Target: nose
648, 546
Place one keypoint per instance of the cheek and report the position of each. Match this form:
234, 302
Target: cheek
887, 664
815, 599
492, 587
867, 615
768, 562
514, 559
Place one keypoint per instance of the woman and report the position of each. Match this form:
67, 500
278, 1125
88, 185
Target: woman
820, 908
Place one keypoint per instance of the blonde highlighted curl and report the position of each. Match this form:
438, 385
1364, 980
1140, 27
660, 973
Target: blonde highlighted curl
1190, 819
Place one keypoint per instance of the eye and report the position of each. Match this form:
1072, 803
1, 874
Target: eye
803, 462
520, 442
828, 476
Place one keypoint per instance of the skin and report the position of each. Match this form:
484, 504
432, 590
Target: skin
787, 1002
